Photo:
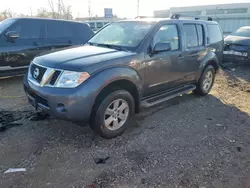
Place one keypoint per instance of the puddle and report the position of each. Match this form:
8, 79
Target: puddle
10, 119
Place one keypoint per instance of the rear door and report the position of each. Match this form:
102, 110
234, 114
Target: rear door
21, 51
194, 51
59, 34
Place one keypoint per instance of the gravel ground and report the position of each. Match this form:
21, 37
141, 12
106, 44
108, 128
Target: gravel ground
188, 142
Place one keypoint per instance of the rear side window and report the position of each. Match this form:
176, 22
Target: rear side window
84, 31
191, 35
215, 34
28, 29
200, 32
99, 25
59, 29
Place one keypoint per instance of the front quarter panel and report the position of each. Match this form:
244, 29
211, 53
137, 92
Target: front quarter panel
100, 80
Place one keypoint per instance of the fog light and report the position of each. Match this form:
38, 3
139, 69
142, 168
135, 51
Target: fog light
61, 108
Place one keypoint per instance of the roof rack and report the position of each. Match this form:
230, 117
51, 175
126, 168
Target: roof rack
177, 16
141, 17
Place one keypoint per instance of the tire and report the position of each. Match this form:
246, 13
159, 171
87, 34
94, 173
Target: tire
107, 107
201, 89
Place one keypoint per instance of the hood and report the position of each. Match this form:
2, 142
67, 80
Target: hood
78, 58
245, 41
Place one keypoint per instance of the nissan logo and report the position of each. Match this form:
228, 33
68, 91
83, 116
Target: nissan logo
36, 73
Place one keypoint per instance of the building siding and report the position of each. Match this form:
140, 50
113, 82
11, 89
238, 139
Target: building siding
229, 16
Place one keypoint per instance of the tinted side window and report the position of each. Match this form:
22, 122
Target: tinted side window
83, 31
215, 34
28, 29
200, 32
168, 34
58, 29
191, 35
99, 25
92, 25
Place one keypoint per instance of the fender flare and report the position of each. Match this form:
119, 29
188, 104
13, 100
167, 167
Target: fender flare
101, 79
209, 59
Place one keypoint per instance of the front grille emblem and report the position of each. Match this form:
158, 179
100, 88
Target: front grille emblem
36, 73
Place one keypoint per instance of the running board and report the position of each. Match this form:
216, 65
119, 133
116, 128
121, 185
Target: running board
156, 99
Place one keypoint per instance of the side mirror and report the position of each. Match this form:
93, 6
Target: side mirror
12, 35
162, 47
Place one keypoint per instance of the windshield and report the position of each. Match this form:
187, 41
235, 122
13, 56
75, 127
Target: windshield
124, 34
242, 32
5, 24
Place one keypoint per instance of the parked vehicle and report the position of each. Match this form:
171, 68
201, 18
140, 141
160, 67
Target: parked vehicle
237, 46
21, 39
126, 66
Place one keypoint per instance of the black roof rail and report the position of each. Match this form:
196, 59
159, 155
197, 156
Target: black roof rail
177, 16
140, 17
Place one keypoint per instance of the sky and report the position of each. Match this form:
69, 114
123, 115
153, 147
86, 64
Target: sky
122, 8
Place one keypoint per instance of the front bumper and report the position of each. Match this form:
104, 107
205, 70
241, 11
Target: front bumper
74, 104
236, 59
235, 56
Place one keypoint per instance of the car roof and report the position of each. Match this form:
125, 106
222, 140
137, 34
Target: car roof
158, 20
49, 19
245, 27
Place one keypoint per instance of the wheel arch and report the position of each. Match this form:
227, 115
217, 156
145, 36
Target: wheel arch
124, 84
115, 78
209, 59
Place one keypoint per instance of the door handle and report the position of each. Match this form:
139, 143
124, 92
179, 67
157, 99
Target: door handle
192, 55
36, 43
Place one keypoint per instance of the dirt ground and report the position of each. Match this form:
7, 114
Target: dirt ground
188, 142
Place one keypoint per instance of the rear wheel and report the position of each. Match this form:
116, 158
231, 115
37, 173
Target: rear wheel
206, 81
113, 114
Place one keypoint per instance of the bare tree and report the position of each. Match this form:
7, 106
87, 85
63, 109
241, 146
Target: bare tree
6, 14
44, 13
59, 10
52, 8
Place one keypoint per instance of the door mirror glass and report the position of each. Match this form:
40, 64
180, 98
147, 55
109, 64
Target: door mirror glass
12, 35
162, 47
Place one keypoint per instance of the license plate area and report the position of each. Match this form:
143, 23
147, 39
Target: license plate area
32, 102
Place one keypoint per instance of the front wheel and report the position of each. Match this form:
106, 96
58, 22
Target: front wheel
113, 114
206, 81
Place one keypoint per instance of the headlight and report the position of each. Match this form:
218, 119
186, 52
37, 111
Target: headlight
70, 79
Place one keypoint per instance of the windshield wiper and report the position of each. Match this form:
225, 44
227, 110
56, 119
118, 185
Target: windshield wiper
120, 48
91, 43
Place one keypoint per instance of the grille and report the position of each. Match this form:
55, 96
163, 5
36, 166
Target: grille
38, 99
42, 70
54, 77
234, 57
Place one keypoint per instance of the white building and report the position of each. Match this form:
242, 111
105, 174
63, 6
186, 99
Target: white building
229, 16
97, 23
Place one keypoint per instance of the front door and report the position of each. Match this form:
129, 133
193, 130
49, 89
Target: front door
164, 69
20, 52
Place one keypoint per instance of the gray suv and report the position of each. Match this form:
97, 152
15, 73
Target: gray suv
124, 67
